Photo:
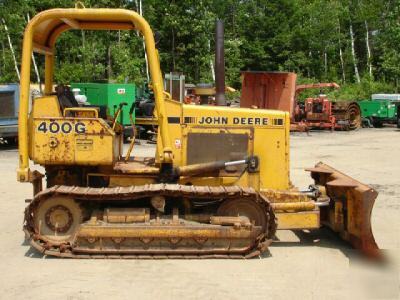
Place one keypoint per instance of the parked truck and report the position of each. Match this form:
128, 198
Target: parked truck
9, 95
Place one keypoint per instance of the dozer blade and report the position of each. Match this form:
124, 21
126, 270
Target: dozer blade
349, 212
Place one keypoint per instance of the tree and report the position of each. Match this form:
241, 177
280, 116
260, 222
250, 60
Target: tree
321, 40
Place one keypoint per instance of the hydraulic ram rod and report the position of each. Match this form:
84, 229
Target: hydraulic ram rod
196, 169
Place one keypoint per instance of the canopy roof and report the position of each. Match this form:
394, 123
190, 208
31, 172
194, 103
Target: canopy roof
48, 25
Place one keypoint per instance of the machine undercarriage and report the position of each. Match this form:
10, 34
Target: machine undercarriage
157, 220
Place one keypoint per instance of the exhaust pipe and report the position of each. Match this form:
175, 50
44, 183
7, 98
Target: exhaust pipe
219, 64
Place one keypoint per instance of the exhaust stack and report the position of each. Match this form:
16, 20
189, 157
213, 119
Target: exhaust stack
219, 64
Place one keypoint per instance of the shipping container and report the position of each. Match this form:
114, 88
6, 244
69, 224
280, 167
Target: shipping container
110, 95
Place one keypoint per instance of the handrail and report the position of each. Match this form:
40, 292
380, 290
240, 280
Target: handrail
168, 95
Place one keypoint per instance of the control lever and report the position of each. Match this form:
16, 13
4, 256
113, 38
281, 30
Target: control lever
128, 154
117, 113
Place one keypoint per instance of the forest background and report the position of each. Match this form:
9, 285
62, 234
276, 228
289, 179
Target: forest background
355, 43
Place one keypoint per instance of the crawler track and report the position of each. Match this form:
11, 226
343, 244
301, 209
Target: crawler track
121, 194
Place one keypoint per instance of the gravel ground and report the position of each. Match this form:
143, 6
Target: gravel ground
302, 265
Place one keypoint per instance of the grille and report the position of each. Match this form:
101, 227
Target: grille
209, 147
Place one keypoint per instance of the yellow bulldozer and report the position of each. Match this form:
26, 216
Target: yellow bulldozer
218, 185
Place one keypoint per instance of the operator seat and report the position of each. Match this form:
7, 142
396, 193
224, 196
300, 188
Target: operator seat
65, 97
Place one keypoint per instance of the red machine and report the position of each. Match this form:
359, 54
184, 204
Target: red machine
278, 90
322, 113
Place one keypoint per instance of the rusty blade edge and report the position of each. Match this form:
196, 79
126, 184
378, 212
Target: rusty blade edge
318, 170
342, 183
365, 242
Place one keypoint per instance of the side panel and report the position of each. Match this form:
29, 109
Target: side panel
56, 140
383, 111
71, 141
272, 147
375, 108
268, 133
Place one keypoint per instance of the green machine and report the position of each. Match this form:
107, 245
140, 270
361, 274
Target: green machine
381, 108
110, 95
398, 116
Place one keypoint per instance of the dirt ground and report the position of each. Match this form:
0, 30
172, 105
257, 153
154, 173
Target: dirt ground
301, 265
